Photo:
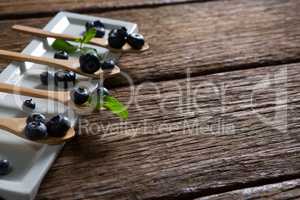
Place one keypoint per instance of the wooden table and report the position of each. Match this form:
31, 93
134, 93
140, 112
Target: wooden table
230, 131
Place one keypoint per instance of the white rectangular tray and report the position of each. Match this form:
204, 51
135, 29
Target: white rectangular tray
31, 161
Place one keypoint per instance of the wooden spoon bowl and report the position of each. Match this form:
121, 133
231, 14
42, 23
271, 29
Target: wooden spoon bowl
16, 126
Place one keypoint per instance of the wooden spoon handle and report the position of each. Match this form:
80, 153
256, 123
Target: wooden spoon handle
10, 55
44, 94
41, 32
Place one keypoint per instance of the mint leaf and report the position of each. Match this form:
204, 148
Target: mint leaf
116, 107
88, 35
62, 45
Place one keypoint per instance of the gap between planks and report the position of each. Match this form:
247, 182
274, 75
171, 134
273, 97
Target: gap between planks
282, 190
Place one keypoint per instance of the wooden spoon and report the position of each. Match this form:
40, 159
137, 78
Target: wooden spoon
16, 126
95, 41
60, 96
57, 63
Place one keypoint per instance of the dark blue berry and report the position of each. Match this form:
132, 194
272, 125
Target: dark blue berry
61, 55
117, 38
70, 76
46, 77
80, 95
64, 77
98, 24
100, 32
28, 105
108, 65
35, 130
136, 40
93, 24
89, 25
36, 117
89, 63
58, 126
5, 167
102, 91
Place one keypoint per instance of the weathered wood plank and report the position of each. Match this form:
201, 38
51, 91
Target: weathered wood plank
32, 7
186, 139
283, 190
204, 37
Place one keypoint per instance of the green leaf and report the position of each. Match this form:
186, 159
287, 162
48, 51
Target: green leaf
115, 106
110, 103
88, 35
62, 45
78, 40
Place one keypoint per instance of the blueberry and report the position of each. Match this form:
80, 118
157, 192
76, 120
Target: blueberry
46, 77
35, 130
64, 77
28, 105
102, 91
117, 38
5, 167
70, 76
61, 55
98, 25
107, 65
89, 25
80, 95
136, 40
89, 63
100, 32
36, 117
58, 126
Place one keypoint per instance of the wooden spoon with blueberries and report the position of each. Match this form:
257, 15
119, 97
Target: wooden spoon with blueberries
77, 98
118, 39
35, 128
88, 65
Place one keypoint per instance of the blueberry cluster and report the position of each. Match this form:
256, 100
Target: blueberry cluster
61, 78
90, 63
38, 128
118, 37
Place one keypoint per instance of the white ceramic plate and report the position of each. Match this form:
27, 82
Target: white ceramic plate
31, 161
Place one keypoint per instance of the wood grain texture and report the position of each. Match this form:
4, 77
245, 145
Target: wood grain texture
283, 190
205, 37
186, 139
18, 8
